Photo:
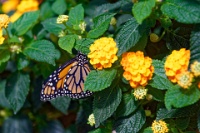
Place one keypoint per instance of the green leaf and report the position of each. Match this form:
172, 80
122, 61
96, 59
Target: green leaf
76, 16
51, 26
52, 127
129, 35
101, 130
194, 44
158, 95
67, 42
3, 102
3, 66
22, 62
17, 125
43, 51
182, 123
101, 24
188, 111
142, 9
131, 124
59, 7
25, 22
160, 80
61, 103
83, 45
105, 103
148, 130
127, 105
183, 11
99, 80
46, 10
178, 97
4, 55
17, 89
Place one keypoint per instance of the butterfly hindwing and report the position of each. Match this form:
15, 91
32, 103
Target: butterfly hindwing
68, 80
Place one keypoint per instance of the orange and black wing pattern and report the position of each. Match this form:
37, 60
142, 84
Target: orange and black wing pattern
67, 80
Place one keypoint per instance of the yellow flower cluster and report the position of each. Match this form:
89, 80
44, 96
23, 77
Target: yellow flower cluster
140, 92
176, 67
10, 5
4, 21
91, 120
159, 127
24, 6
176, 63
103, 53
137, 68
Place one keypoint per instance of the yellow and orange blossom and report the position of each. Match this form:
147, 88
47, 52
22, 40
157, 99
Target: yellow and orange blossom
1, 37
4, 20
103, 53
138, 69
10, 5
176, 63
159, 127
24, 6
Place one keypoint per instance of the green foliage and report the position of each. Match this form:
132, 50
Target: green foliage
34, 45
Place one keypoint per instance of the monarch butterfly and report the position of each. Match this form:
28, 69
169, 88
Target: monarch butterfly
67, 80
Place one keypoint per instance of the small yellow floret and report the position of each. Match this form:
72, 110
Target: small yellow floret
159, 127
62, 19
137, 68
185, 79
103, 53
176, 63
140, 92
91, 120
195, 68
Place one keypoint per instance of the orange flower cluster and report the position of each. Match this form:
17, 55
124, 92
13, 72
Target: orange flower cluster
24, 6
103, 53
137, 68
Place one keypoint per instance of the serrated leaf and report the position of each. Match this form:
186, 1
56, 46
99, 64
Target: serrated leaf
160, 80
43, 51
3, 102
105, 103
51, 26
131, 124
178, 97
101, 24
99, 80
17, 89
59, 6
24, 23
67, 42
22, 62
194, 44
17, 125
183, 11
188, 111
142, 9
52, 127
45, 10
129, 35
4, 55
61, 103
76, 16
127, 105
83, 45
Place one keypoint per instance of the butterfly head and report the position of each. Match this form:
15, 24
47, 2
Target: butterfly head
81, 58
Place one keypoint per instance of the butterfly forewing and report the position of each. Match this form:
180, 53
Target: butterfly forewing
68, 80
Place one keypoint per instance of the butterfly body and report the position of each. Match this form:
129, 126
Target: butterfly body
67, 80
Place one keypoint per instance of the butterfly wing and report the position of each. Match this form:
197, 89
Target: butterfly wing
68, 80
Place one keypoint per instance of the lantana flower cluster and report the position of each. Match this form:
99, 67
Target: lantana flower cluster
138, 69
4, 21
103, 53
159, 127
177, 65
